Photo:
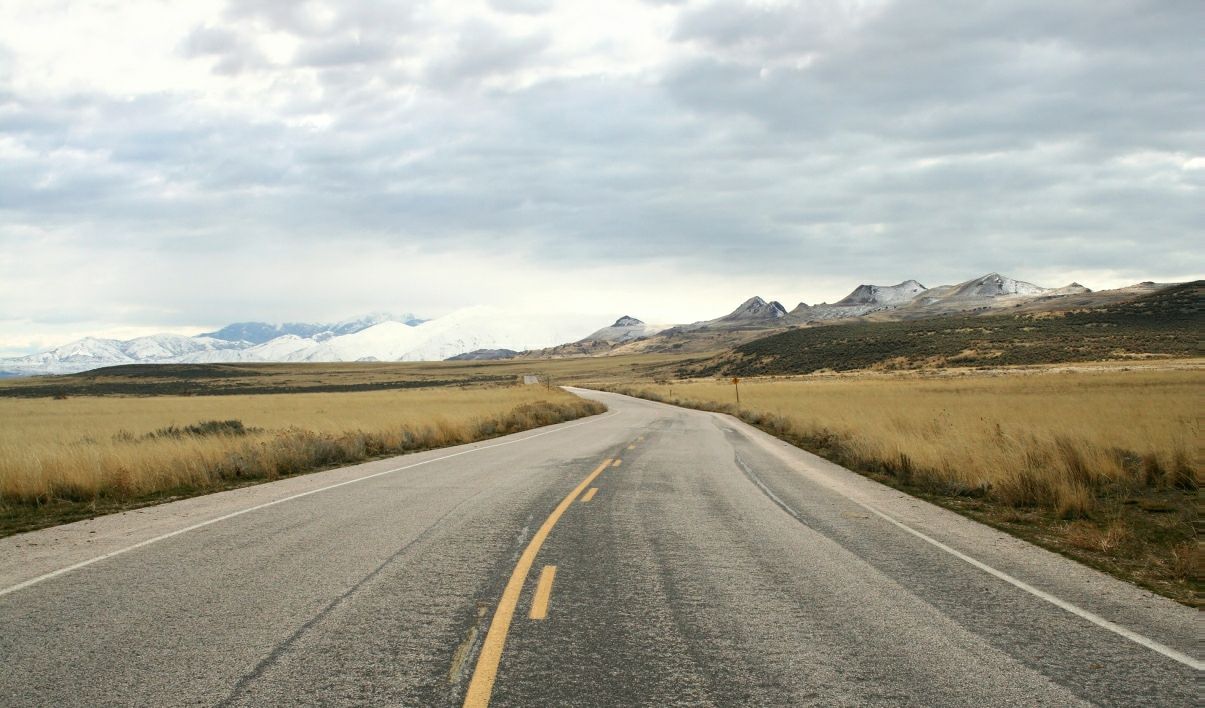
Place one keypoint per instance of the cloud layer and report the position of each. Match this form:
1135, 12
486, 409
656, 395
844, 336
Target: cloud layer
182, 165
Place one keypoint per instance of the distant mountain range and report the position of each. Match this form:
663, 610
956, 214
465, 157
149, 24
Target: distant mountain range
991, 291
757, 317
260, 332
371, 338
910, 298
488, 333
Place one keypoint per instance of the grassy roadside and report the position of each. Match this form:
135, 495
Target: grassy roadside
1099, 467
65, 460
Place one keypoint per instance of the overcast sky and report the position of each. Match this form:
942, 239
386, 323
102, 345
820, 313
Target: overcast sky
174, 166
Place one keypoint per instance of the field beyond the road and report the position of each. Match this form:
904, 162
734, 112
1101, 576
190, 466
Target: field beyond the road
1102, 465
1098, 461
62, 460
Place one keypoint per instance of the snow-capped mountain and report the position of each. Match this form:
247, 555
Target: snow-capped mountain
260, 332
883, 294
991, 291
387, 337
863, 300
989, 286
385, 340
93, 352
626, 329
752, 311
910, 299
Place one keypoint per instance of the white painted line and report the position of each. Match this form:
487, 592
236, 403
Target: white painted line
1041, 594
1058, 602
194, 527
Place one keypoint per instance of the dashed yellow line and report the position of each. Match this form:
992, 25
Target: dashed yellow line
617, 463
589, 494
631, 447
486, 671
539, 604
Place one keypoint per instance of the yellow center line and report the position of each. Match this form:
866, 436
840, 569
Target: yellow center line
631, 447
589, 494
617, 463
482, 684
539, 604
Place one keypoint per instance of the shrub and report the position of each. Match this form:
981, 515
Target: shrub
205, 428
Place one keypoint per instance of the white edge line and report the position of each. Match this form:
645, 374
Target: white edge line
274, 502
1041, 594
1063, 604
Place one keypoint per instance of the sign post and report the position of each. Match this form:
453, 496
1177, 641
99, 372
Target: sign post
736, 383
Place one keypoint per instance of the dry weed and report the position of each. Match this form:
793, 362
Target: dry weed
1056, 441
86, 448
1091, 537
1185, 561
1099, 465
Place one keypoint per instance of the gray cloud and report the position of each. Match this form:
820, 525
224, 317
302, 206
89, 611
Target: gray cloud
808, 142
482, 51
522, 7
313, 19
210, 40
234, 52
346, 50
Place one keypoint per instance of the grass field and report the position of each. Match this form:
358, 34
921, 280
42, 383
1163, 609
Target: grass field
236, 379
1103, 466
1094, 460
67, 459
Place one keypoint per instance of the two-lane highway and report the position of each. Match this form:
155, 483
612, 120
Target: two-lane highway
648, 556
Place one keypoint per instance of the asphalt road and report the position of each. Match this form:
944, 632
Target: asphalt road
713, 565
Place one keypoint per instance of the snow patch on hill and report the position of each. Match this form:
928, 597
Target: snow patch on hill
261, 332
625, 329
93, 352
994, 285
754, 309
883, 295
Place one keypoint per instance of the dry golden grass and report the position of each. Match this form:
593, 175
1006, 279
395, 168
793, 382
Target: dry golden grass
1045, 440
83, 449
1101, 465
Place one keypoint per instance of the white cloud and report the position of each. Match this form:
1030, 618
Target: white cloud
170, 164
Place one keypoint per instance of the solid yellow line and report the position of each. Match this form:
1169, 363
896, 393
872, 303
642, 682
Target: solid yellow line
589, 494
539, 604
617, 463
482, 684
